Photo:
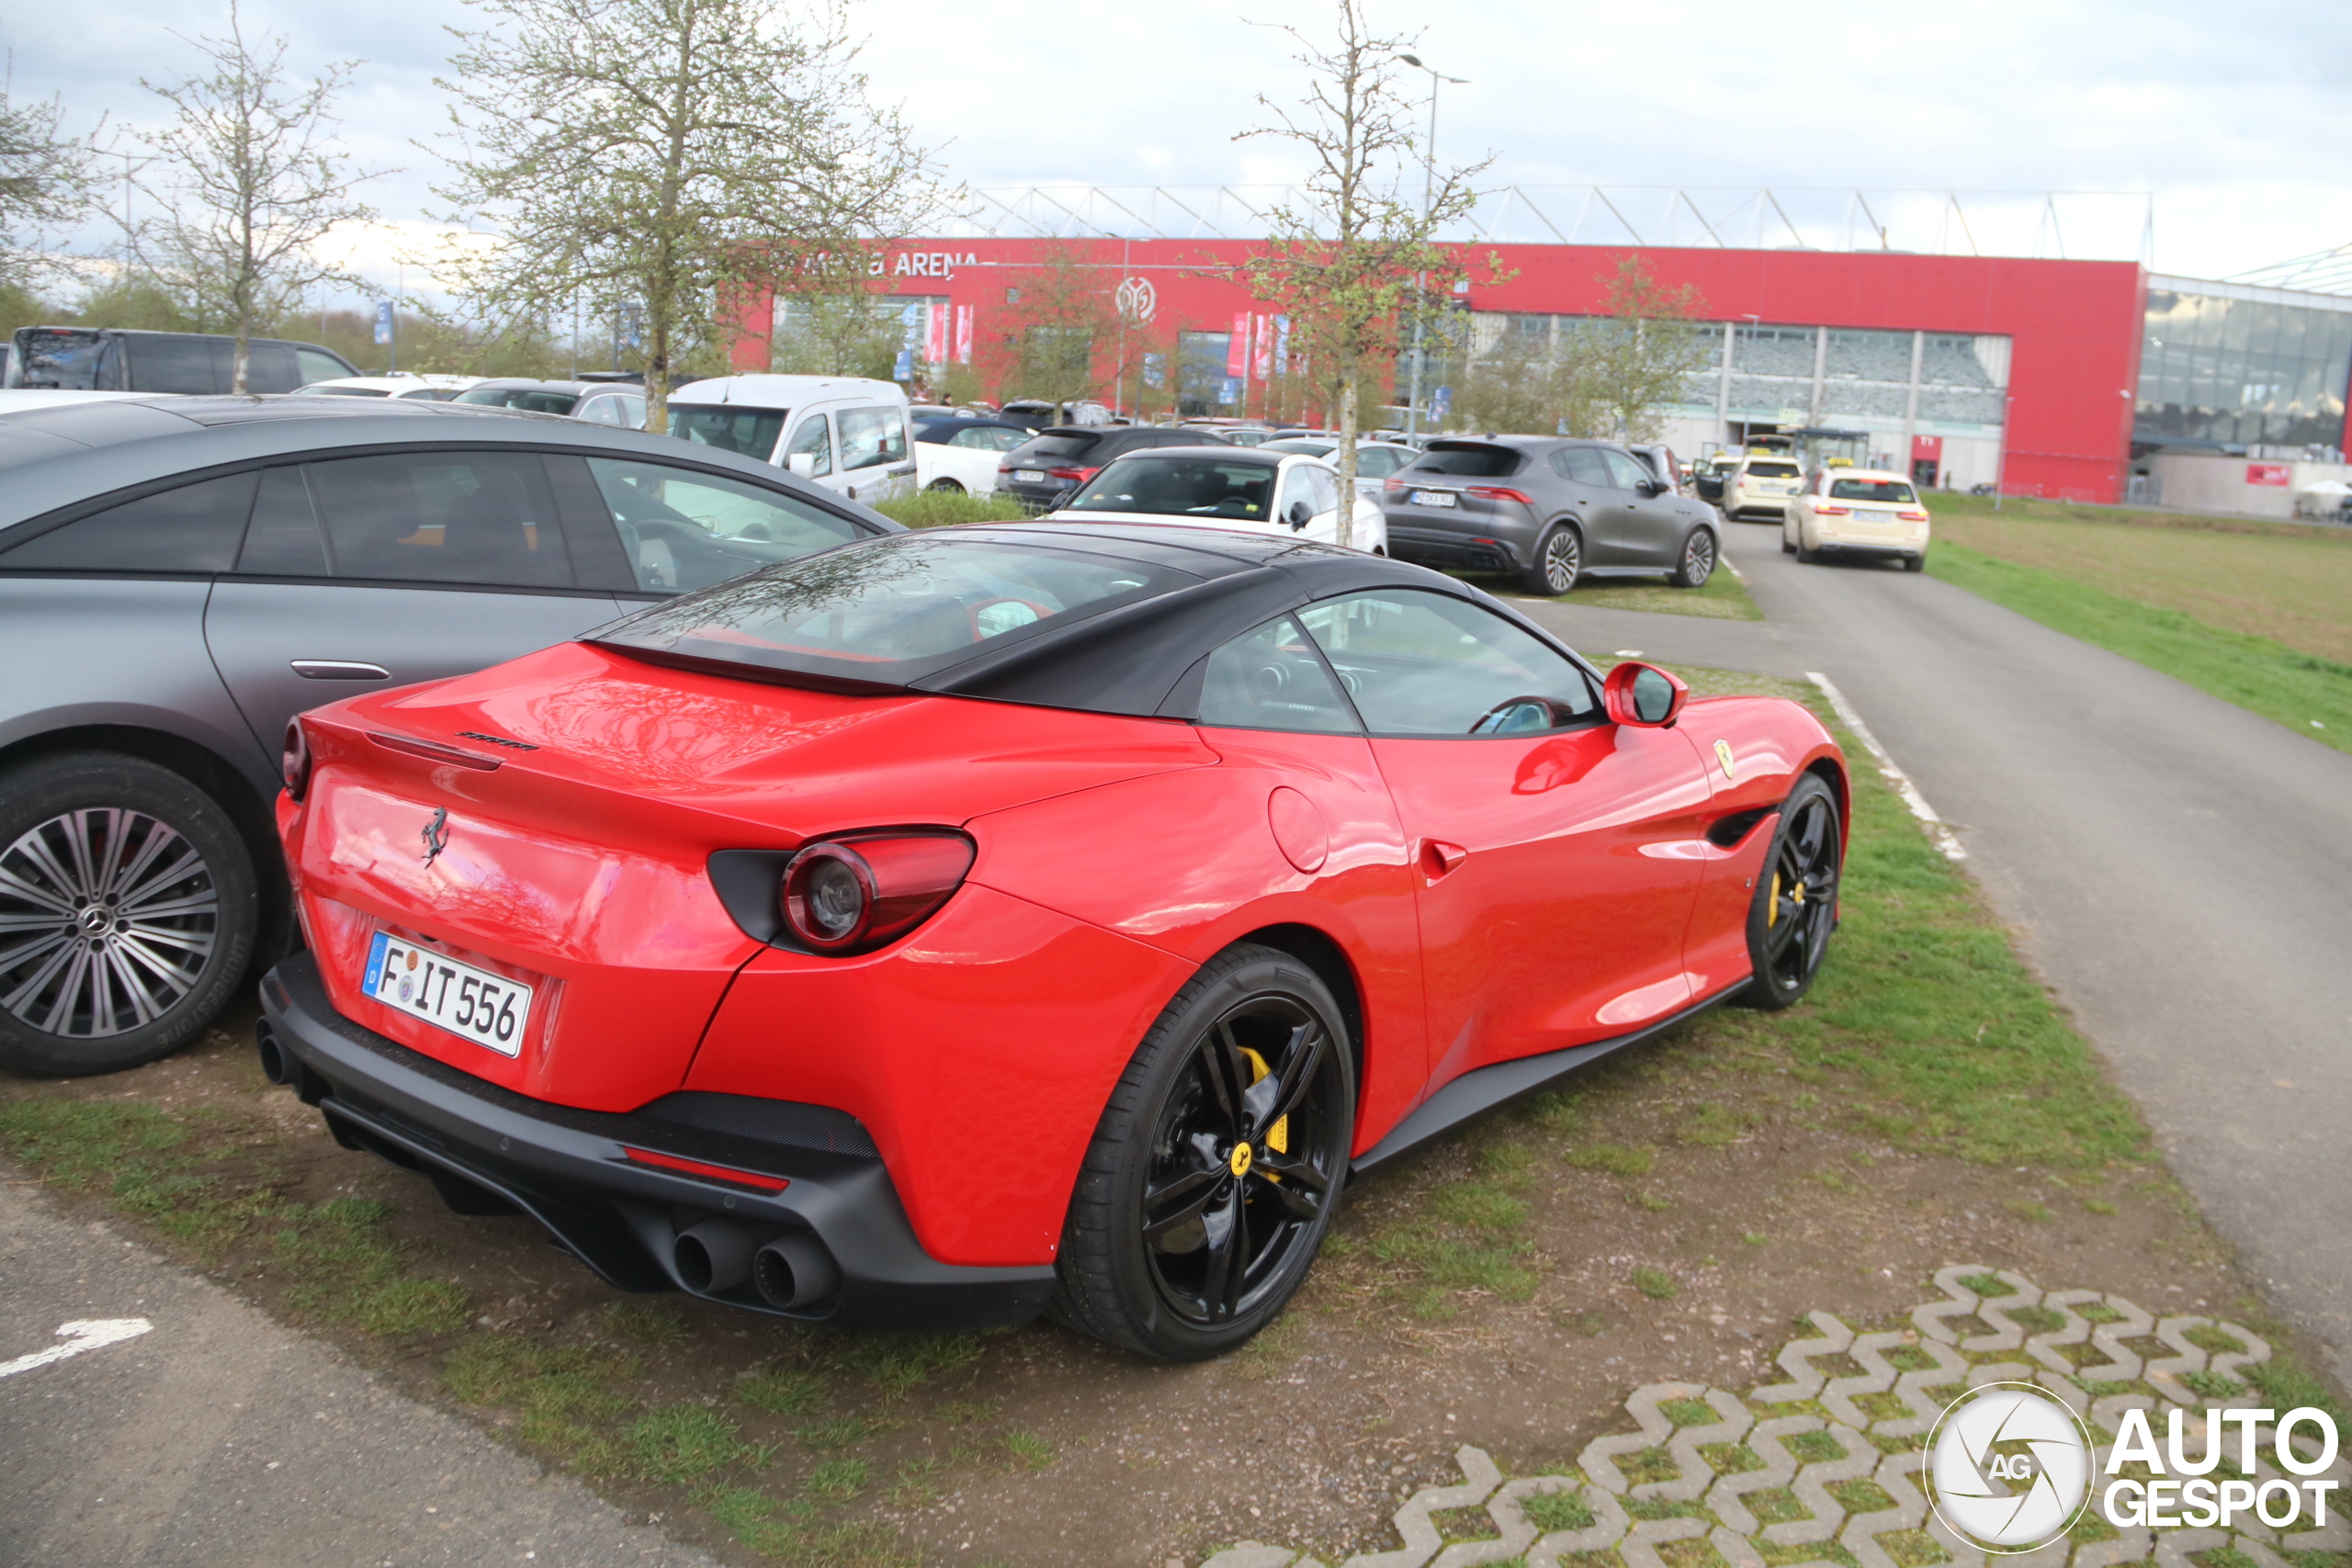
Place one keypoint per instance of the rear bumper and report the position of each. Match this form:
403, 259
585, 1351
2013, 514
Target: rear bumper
1890, 548
569, 1170
1757, 509
1485, 547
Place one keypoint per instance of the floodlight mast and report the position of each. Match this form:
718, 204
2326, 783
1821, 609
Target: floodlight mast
1422, 280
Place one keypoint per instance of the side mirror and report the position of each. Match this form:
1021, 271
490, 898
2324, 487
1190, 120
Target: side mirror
1648, 488
1300, 514
1062, 497
802, 463
1643, 695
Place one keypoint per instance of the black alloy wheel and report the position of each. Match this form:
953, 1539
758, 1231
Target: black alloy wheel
1698, 560
1795, 907
1217, 1166
128, 913
1559, 559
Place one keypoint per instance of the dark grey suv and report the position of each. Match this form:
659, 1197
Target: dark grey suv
179, 577
1548, 510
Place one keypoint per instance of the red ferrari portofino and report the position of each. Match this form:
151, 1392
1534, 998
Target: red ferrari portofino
960, 924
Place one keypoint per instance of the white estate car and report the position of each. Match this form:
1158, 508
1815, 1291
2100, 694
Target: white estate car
400, 384
1759, 487
1857, 512
1375, 460
849, 434
1253, 490
960, 454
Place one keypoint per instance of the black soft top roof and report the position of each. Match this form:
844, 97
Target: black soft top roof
1141, 659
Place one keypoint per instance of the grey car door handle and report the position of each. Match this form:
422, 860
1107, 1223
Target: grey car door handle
339, 670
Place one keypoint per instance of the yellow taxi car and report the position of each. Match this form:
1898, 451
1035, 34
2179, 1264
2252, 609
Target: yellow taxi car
1857, 512
1759, 486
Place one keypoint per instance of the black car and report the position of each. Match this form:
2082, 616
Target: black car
1069, 455
1548, 511
178, 577
113, 359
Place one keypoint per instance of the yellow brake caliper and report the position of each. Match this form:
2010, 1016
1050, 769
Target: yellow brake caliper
1772, 909
1277, 1135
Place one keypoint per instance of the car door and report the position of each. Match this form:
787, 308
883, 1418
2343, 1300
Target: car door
1554, 890
1594, 499
970, 457
809, 452
366, 571
1303, 507
646, 530
1647, 528
874, 464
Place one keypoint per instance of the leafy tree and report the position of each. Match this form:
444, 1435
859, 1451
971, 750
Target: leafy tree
243, 185
834, 325
1637, 358
1348, 258
1057, 316
1523, 381
44, 185
667, 155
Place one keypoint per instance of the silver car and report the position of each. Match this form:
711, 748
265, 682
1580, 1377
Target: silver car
180, 576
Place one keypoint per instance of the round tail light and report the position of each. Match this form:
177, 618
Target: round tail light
848, 895
294, 762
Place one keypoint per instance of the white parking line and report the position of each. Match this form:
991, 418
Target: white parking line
85, 1334
1937, 828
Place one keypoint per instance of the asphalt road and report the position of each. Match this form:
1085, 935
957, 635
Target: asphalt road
218, 1439
2179, 870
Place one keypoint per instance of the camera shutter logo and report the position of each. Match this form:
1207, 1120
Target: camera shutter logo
2011, 1467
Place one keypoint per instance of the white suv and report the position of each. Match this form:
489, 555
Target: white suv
849, 434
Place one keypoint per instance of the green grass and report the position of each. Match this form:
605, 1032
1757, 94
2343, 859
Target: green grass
1656, 1283
685, 1442
1724, 597
2306, 693
942, 509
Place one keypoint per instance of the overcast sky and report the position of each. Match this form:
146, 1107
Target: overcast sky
2234, 115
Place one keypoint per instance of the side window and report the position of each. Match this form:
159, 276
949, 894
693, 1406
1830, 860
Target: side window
1583, 464
632, 411
1427, 664
269, 367
1375, 463
600, 410
1324, 485
473, 517
871, 436
681, 529
1271, 679
318, 365
1298, 488
283, 539
193, 528
169, 363
1624, 472
812, 439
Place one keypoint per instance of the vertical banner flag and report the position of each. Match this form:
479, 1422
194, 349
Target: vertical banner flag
935, 347
1237, 347
1230, 392
1264, 327
1282, 345
962, 334
383, 322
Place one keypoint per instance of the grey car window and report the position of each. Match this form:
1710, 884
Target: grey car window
320, 366
812, 439
1271, 679
871, 436
193, 528
684, 529
283, 539
1623, 472
1426, 664
1583, 464
1324, 485
472, 517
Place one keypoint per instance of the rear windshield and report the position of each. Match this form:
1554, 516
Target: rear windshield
531, 399
1183, 487
63, 358
1892, 491
749, 431
1046, 446
352, 392
1771, 471
884, 612
1470, 462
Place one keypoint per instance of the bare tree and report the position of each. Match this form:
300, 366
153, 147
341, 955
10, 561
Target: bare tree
243, 184
1639, 355
1058, 318
44, 184
1348, 258
1523, 376
834, 323
669, 154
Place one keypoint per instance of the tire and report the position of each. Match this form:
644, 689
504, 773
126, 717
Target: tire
1794, 912
1805, 557
1698, 560
1915, 563
948, 485
85, 836
1559, 561
1786, 548
1140, 1264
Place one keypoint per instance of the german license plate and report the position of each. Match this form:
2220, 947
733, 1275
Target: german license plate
1432, 498
1029, 476
488, 1009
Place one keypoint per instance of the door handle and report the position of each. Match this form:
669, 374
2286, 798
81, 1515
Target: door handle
339, 670
1439, 858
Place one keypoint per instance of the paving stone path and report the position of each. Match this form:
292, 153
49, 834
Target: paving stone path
1861, 1433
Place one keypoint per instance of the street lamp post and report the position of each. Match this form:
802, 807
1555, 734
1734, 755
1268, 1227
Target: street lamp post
1421, 282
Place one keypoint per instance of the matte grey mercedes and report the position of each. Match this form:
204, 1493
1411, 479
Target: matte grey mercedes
1547, 510
180, 576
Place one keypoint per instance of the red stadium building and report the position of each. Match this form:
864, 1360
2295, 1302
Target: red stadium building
2047, 376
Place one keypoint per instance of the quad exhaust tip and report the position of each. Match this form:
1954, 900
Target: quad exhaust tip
714, 1257
274, 1065
795, 1270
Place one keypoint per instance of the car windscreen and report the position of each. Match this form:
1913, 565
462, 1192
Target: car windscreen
1191, 486
529, 399
1475, 462
1771, 471
1894, 491
887, 612
1052, 448
63, 358
751, 432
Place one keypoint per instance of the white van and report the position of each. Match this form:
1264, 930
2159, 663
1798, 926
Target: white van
847, 433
